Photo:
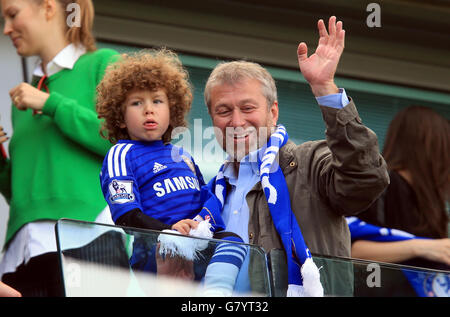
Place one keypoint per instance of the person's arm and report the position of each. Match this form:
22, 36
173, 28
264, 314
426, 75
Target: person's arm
400, 251
118, 182
80, 123
124, 204
354, 174
137, 219
7, 291
319, 68
121, 192
338, 101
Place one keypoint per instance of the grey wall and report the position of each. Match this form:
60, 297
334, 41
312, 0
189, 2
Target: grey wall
10, 76
410, 48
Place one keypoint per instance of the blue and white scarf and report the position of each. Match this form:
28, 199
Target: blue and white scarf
426, 283
361, 230
303, 274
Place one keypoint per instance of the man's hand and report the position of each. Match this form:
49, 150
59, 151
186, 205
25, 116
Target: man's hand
319, 68
25, 96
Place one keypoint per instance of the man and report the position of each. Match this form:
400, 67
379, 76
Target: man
326, 180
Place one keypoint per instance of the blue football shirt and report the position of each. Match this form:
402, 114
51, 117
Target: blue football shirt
162, 180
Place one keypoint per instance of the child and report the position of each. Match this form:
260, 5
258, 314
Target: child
147, 182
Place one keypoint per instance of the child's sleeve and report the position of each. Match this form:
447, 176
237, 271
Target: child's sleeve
118, 182
77, 120
121, 192
137, 219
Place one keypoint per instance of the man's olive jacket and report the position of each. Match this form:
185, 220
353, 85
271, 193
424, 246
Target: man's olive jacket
327, 180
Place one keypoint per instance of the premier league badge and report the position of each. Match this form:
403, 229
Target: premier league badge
121, 192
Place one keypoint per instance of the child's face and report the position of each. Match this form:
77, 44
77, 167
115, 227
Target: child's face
147, 114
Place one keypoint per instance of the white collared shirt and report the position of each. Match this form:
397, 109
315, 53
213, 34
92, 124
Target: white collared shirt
235, 211
36, 238
65, 59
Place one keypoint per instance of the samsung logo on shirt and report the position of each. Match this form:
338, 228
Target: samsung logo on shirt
174, 184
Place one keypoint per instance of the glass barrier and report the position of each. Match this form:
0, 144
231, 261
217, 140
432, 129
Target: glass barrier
348, 277
104, 260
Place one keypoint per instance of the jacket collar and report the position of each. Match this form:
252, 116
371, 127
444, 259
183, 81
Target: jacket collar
286, 160
286, 157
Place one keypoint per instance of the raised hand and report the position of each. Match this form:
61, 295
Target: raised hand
320, 67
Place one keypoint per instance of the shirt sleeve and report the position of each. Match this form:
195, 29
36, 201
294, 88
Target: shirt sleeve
338, 101
79, 121
136, 218
118, 182
351, 171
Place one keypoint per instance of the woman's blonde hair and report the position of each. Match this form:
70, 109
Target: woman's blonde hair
82, 33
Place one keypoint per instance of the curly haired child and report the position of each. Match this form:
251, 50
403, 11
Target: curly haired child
147, 182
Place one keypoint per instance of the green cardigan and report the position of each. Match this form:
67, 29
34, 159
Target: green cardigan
56, 157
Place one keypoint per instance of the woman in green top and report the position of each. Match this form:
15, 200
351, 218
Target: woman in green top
56, 151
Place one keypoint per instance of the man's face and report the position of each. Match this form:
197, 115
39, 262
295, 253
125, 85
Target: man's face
241, 114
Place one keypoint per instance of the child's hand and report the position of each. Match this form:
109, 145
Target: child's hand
184, 226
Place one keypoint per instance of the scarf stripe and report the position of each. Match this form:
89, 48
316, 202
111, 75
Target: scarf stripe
360, 230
